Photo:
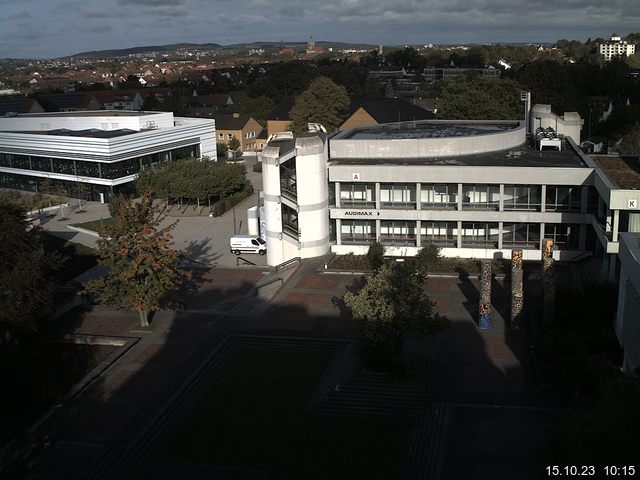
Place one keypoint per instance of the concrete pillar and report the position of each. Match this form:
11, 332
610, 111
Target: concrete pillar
612, 267
418, 235
459, 240
548, 281
584, 200
543, 198
517, 288
338, 231
501, 198
484, 320
616, 225
337, 187
459, 196
418, 196
500, 232
377, 190
377, 230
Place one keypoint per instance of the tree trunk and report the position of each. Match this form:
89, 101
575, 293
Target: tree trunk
144, 318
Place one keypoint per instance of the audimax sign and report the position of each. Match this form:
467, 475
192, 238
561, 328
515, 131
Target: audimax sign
360, 213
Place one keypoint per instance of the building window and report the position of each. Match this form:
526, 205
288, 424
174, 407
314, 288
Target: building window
42, 164
521, 235
522, 197
229, 136
288, 180
88, 169
397, 195
480, 235
439, 196
63, 165
565, 237
481, 197
398, 232
563, 199
290, 221
444, 234
221, 136
361, 232
359, 195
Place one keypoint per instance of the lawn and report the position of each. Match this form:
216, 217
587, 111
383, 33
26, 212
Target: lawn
37, 375
93, 225
253, 416
79, 257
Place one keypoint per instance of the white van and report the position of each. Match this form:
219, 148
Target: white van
247, 244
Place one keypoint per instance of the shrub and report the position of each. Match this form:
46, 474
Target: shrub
376, 255
229, 202
257, 167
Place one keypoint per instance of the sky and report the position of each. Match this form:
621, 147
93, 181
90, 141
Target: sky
55, 28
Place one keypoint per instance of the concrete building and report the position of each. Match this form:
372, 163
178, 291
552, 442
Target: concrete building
616, 47
628, 316
104, 150
474, 188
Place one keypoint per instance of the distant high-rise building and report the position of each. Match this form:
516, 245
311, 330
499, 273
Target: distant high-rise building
616, 47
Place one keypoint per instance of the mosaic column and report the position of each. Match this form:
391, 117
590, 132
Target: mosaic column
485, 295
517, 288
548, 280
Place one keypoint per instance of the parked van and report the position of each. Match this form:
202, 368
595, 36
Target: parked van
247, 244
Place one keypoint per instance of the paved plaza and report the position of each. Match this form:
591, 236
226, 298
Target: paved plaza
479, 380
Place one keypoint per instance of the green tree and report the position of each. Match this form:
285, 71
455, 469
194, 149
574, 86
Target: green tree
477, 98
256, 107
26, 289
222, 150
234, 144
142, 266
323, 102
630, 143
391, 304
375, 255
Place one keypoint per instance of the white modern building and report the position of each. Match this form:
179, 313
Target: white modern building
474, 188
616, 47
104, 150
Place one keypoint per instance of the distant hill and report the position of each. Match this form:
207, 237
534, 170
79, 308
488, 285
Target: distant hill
137, 50
214, 46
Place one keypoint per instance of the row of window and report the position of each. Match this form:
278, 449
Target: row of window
445, 234
84, 168
473, 196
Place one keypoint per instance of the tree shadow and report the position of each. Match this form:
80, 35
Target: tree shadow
114, 427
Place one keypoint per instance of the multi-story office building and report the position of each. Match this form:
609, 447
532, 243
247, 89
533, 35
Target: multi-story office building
616, 47
474, 188
628, 317
104, 150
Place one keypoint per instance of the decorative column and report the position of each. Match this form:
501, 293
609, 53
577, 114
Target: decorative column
548, 281
517, 288
485, 295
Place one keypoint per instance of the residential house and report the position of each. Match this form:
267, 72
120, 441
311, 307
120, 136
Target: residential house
388, 110
278, 120
243, 127
14, 105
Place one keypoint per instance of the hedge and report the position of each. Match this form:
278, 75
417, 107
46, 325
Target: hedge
231, 201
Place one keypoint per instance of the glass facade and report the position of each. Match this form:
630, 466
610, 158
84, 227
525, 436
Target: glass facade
522, 197
358, 231
563, 199
565, 237
87, 168
290, 221
398, 232
443, 234
398, 195
480, 235
359, 195
481, 197
439, 196
521, 235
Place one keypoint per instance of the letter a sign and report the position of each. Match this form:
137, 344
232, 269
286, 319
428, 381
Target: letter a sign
355, 177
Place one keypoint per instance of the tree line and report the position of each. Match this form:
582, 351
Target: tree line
193, 181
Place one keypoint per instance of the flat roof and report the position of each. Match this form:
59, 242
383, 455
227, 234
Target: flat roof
91, 113
519, 157
90, 133
624, 172
432, 129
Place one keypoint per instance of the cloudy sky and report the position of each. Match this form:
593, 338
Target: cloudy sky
52, 28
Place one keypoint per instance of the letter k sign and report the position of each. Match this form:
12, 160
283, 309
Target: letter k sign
632, 203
